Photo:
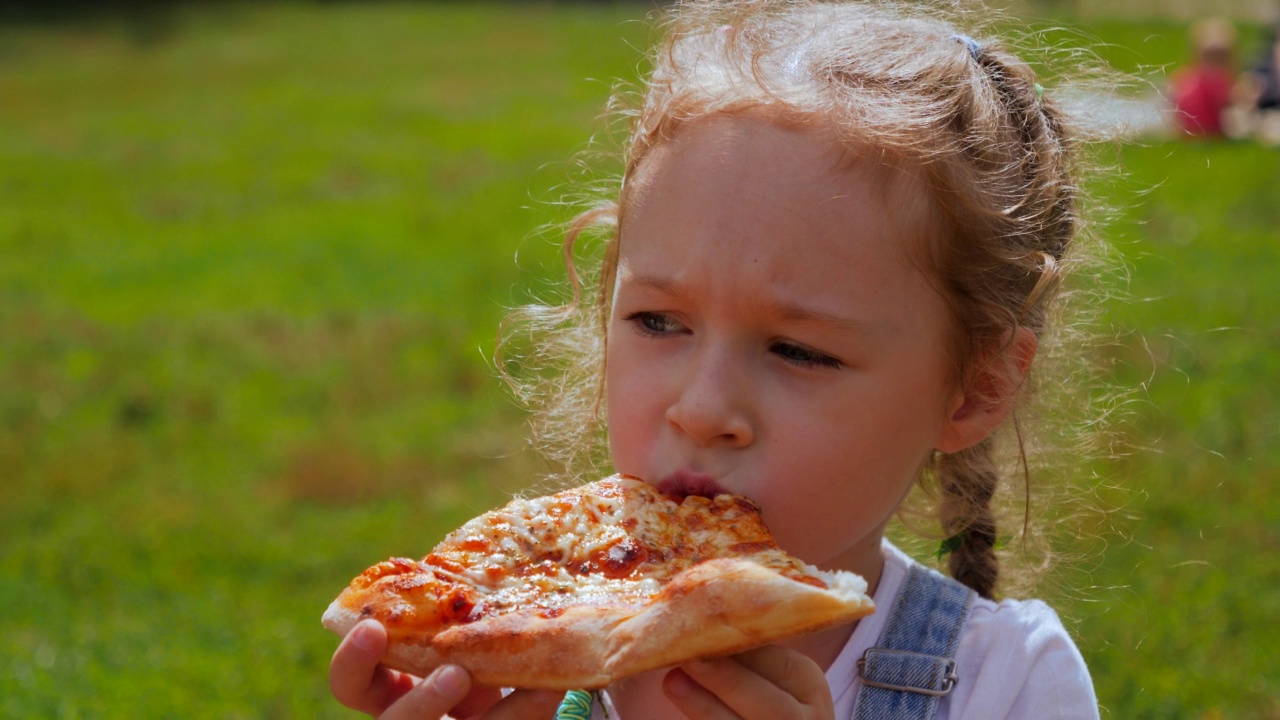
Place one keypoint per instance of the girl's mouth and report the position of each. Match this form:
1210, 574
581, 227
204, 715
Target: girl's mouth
683, 483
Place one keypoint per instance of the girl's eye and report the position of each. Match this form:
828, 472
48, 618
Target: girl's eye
804, 357
654, 324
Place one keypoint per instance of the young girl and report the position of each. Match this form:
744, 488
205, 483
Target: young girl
829, 268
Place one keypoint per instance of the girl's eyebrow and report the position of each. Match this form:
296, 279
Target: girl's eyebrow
800, 313
783, 310
652, 282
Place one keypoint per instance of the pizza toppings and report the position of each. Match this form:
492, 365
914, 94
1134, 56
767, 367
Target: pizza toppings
581, 570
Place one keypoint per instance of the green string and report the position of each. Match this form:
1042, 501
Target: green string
575, 706
948, 546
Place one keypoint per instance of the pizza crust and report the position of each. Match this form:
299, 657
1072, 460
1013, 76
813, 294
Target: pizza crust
725, 606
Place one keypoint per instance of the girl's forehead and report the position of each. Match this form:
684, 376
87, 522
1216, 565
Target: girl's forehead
750, 168
733, 143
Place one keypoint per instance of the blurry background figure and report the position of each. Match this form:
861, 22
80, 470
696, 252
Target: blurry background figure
1202, 92
1258, 91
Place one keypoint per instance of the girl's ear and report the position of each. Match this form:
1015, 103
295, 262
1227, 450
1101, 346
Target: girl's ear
990, 393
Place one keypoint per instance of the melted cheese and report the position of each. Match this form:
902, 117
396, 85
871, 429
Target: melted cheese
611, 542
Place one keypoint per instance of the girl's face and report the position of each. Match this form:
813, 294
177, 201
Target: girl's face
770, 335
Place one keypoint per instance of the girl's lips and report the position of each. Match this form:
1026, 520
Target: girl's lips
682, 483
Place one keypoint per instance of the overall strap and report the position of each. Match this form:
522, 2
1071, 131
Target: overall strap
913, 664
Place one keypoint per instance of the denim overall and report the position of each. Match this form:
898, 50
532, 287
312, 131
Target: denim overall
911, 668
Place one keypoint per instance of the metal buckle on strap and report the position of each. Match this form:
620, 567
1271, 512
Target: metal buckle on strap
949, 676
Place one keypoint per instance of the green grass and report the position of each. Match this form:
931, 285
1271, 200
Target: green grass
250, 273
1183, 624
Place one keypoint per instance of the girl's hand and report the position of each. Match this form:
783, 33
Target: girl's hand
360, 683
765, 683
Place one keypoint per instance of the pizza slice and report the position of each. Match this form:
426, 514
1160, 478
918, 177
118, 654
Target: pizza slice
589, 585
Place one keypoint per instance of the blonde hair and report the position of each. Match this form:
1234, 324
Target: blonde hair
967, 115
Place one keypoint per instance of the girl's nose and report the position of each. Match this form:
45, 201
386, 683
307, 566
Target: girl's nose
712, 409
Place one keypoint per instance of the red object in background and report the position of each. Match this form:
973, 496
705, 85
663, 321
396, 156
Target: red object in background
1200, 95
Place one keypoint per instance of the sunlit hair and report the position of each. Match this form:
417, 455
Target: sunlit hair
902, 86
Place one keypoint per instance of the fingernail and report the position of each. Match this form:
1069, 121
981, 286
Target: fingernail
362, 636
450, 680
679, 684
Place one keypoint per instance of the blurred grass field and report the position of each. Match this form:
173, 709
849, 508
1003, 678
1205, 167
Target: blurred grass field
250, 273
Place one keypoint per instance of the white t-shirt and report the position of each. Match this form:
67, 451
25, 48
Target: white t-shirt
1015, 660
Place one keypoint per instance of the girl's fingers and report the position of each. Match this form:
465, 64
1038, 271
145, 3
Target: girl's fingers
692, 699
526, 705
768, 682
432, 698
361, 683
475, 704
355, 677
797, 675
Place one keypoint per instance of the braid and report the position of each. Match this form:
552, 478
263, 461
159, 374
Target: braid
1019, 151
1025, 151
968, 480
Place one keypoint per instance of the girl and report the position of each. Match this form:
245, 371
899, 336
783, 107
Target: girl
828, 271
